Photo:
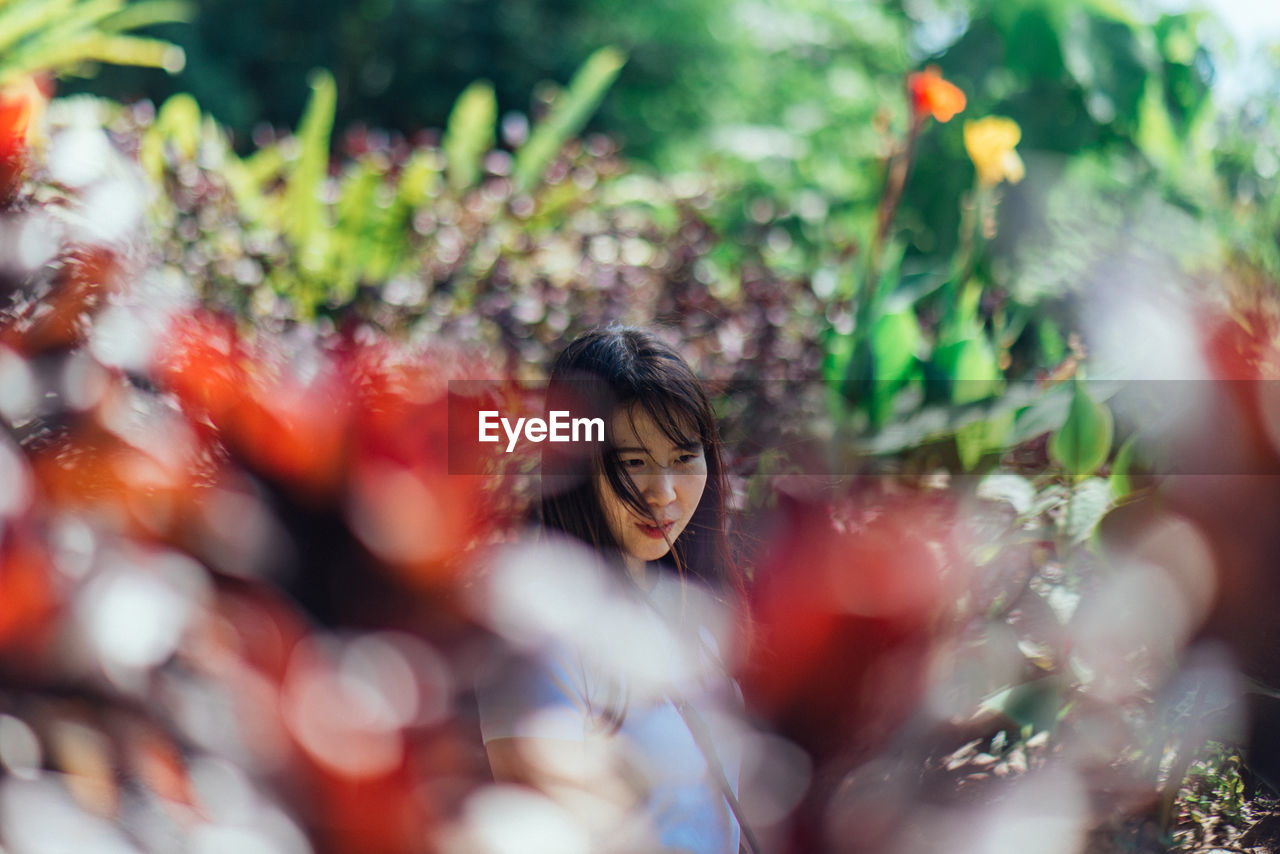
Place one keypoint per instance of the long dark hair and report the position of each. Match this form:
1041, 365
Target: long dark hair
622, 368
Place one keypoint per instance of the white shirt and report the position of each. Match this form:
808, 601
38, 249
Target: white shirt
567, 690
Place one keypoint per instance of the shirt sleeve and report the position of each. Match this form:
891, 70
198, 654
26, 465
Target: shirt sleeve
541, 696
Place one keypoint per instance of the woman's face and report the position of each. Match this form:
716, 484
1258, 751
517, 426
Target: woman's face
669, 477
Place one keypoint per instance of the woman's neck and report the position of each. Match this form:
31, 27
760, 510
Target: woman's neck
640, 573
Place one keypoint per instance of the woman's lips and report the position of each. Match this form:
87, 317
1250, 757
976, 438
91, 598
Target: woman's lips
657, 533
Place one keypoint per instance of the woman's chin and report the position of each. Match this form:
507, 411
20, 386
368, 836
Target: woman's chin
650, 551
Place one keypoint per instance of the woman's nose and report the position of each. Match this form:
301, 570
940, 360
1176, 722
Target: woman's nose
660, 489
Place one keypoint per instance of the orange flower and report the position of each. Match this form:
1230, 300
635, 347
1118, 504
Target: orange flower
933, 96
20, 107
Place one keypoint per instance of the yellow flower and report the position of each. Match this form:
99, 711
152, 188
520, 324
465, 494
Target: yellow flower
990, 142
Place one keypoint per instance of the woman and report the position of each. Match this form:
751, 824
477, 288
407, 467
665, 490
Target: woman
626, 747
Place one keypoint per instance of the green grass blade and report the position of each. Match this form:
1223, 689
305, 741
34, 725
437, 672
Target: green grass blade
357, 219
568, 115
147, 14
19, 20
469, 134
61, 55
305, 177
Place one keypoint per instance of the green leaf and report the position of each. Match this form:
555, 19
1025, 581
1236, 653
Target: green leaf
1155, 135
891, 360
304, 208
1121, 483
1052, 348
895, 339
63, 35
837, 352
972, 368
60, 55
568, 115
130, 50
178, 122
357, 226
1083, 441
469, 135
1111, 59
148, 13
417, 179
976, 439
21, 19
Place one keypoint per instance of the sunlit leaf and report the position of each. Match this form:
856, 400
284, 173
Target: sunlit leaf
469, 134
1083, 441
146, 14
21, 19
568, 115
306, 213
1121, 482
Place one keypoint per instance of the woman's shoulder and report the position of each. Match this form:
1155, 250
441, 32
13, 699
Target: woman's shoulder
543, 693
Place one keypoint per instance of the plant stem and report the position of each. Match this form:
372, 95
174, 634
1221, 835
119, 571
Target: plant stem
899, 171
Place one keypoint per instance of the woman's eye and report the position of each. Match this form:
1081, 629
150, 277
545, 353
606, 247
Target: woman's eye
632, 464
686, 459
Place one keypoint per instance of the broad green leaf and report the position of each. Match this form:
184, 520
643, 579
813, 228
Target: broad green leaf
1121, 483
469, 135
1083, 441
972, 368
974, 375
894, 341
1042, 414
976, 439
961, 320
568, 115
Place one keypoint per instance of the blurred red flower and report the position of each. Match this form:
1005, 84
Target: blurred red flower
931, 95
847, 613
20, 104
29, 600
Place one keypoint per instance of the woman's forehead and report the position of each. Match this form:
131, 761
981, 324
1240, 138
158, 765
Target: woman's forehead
634, 427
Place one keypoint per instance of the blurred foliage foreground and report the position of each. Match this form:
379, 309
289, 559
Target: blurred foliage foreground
243, 598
